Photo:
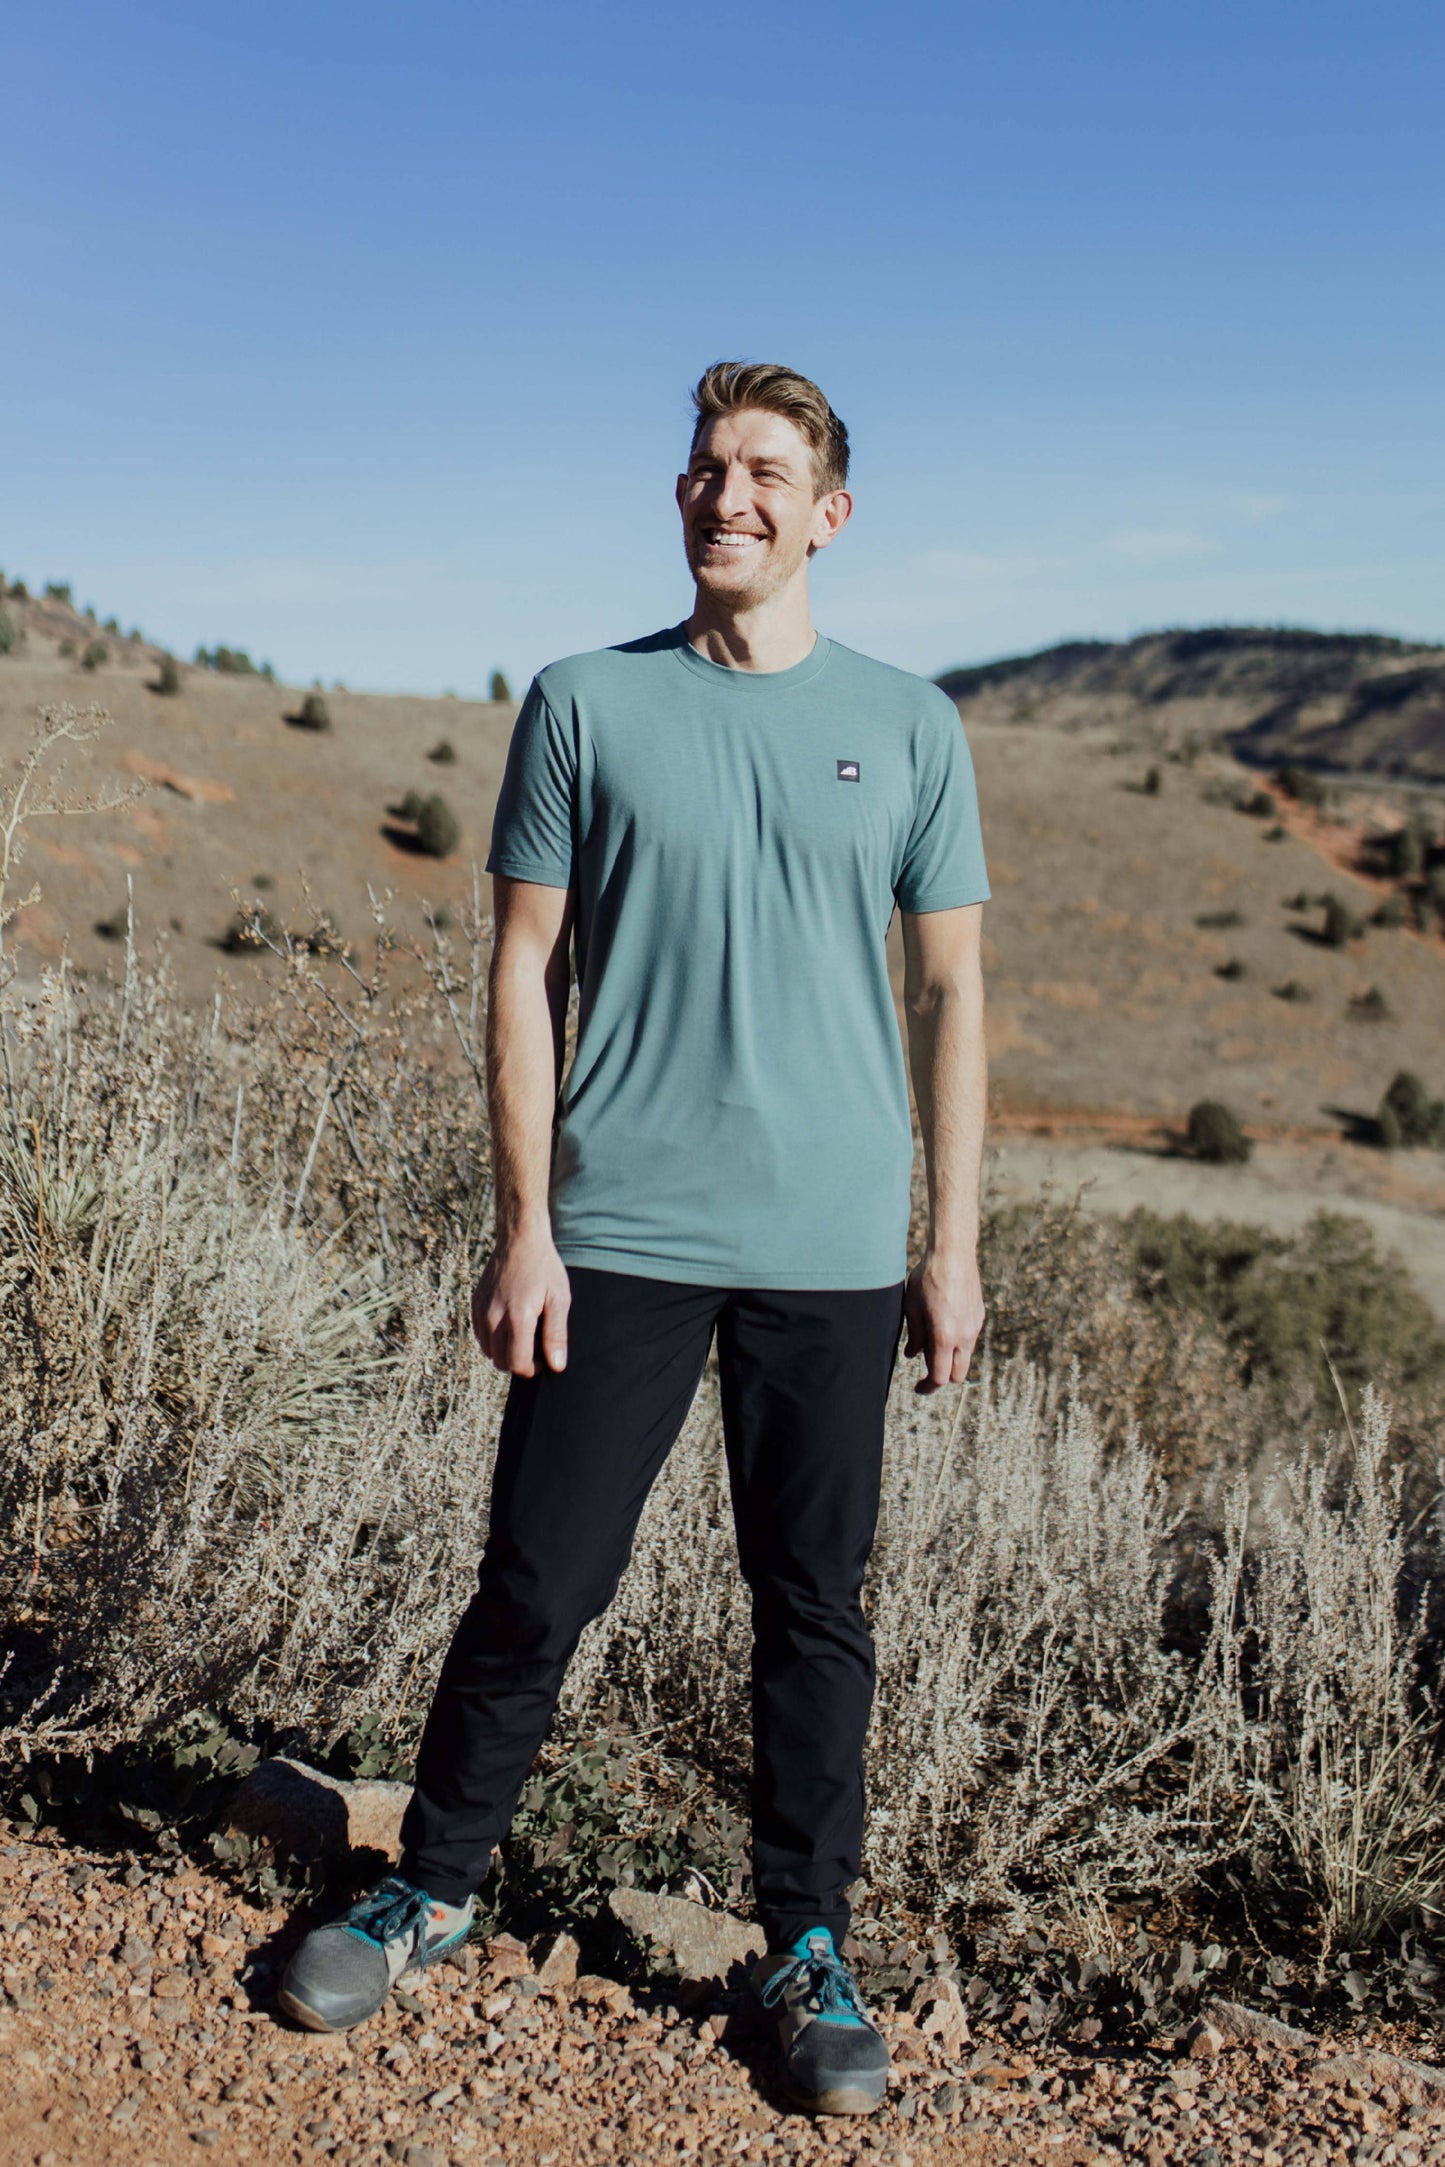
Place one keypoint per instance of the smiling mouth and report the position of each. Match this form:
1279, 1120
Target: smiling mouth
730, 539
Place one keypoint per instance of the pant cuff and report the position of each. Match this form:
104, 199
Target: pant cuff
445, 1887
783, 1928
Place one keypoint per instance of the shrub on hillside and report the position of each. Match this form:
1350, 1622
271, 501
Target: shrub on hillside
1236, 967
9, 633
1436, 889
94, 653
1153, 783
1370, 1006
168, 676
1298, 783
58, 590
444, 753
1391, 913
437, 829
313, 713
230, 661
411, 805
1405, 852
19, 591
499, 688
1214, 1134
251, 930
1276, 1296
323, 940
1419, 1117
1292, 990
1341, 924
1263, 805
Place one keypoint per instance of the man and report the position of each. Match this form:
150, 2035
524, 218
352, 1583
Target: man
721, 817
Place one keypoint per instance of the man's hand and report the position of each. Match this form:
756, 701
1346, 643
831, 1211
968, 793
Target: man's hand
523, 1285
944, 1312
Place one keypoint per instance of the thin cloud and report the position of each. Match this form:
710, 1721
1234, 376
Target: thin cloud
982, 564
1161, 545
1258, 508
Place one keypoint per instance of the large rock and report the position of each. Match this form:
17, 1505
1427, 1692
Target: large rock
703, 1944
557, 1964
1250, 2027
312, 1816
1416, 2082
939, 2012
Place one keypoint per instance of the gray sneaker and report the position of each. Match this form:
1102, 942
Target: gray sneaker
835, 2059
343, 1972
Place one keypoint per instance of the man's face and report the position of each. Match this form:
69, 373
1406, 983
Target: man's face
750, 520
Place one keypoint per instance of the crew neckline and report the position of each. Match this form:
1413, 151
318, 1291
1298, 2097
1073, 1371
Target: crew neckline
751, 681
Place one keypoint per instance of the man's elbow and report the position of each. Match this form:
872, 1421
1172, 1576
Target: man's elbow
960, 982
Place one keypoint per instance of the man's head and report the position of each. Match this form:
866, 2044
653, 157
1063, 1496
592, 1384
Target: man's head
764, 487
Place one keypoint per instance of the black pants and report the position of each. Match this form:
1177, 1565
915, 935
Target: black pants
804, 1377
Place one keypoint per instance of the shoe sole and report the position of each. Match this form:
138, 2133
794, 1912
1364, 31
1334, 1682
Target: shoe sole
315, 2022
311, 2018
843, 2099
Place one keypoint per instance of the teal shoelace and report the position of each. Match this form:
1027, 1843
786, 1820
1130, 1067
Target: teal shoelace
390, 1911
831, 1991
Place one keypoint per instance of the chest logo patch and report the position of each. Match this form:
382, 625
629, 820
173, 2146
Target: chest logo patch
847, 771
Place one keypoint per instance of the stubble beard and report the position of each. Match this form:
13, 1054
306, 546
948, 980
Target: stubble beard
769, 577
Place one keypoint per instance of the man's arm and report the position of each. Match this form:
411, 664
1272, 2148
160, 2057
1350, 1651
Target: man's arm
943, 1005
525, 1280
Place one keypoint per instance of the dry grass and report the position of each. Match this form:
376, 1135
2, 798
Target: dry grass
247, 1441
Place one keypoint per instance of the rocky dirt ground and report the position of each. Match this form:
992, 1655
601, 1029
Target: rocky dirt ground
138, 2029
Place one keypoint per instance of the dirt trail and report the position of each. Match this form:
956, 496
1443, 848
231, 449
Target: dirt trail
137, 2028
1341, 842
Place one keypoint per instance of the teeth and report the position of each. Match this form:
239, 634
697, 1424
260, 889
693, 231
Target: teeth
733, 541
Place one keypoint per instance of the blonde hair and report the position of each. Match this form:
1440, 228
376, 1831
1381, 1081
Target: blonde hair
730, 387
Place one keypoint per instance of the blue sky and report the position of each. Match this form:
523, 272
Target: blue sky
362, 337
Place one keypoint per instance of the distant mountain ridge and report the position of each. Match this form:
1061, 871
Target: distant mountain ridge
1337, 701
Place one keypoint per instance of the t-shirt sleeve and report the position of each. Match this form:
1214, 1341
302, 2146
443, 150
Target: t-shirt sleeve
943, 863
532, 829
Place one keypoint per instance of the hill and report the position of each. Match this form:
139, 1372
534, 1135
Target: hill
244, 803
1344, 703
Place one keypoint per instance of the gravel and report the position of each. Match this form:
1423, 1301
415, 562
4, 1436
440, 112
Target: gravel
157, 2042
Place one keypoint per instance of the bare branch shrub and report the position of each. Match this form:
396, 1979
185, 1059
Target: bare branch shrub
1342, 1753
1031, 1732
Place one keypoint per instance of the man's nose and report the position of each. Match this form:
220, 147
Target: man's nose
734, 492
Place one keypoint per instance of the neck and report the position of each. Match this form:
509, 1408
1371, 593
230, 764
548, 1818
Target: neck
773, 636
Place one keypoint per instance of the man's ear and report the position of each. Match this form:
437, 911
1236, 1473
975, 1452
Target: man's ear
681, 490
831, 515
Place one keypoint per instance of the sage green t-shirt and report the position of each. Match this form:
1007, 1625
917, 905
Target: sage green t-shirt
736, 1113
